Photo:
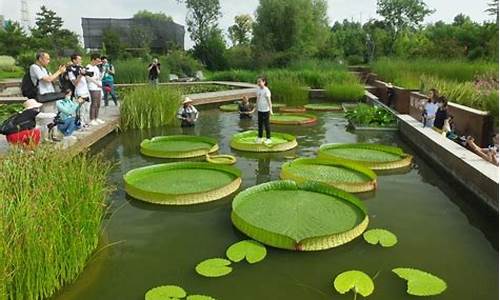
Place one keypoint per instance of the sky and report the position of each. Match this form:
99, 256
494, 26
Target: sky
357, 10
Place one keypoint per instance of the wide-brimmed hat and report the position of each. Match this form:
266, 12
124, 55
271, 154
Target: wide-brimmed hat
32, 103
187, 100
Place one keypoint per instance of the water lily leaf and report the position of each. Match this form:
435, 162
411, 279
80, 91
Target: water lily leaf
199, 297
214, 267
380, 236
166, 292
421, 283
354, 280
251, 250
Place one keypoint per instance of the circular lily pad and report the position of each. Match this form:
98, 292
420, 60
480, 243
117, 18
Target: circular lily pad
293, 119
349, 177
179, 146
221, 159
373, 156
287, 109
303, 217
214, 267
182, 183
324, 107
229, 107
246, 141
166, 292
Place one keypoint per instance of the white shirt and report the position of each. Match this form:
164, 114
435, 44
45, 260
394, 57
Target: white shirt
37, 73
97, 77
431, 109
263, 94
81, 89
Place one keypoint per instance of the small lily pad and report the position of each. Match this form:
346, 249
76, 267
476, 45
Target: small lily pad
166, 292
251, 250
354, 280
380, 236
421, 283
199, 297
214, 267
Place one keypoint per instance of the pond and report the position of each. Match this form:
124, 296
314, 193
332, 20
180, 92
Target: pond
144, 246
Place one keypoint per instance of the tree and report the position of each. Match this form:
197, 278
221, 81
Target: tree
202, 18
240, 32
211, 51
13, 39
493, 9
403, 14
47, 22
290, 29
148, 15
112, 43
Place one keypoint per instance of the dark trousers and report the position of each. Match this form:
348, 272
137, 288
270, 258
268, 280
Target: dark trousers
263, 122
95, 104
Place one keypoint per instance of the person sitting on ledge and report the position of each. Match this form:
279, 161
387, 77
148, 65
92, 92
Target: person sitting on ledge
489, 154
21, 128
188, 114
441, 113
246, 108
430, 109
67, 108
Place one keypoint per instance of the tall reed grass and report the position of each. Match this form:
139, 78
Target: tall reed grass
148, 107
289, 91
52, 208
345, 91
136, 71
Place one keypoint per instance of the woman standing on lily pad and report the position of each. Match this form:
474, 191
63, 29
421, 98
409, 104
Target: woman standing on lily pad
264, 110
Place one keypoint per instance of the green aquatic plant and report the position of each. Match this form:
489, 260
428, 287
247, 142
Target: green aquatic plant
370, 116
52, 207
357, 281
147, 107
289, 91
245, 141
380, 236
173, 184
350, 177
166, 292
252, 251
421, 283
345, 92
179, 146
214, 267
323, 107
199, 297
373, 156
286, 215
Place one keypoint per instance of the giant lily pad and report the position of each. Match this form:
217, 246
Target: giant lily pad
357, 281
291, 109
373, 156
293, 119
380, 236
246, 141
421, 283
214, 267
349, 177
324, 107
179, 146
182, 183
304, 217
166, 292
251, 250
221, 159
199, 297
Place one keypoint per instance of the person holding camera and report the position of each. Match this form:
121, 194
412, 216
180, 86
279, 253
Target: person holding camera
67, 119
94, 81
76, 74
41, 77
154, 72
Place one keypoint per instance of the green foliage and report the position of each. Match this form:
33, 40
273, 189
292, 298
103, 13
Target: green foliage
181, 63
6, 110
211, 51
199, 297
250, 250
240, 33
166, 292
63, 195
240, 57
370, 116
357, 281
13, 39
289, 91
380, 236
421, 283
147, 107
345, 92
112, 43
214, 267
148, 15
403, 14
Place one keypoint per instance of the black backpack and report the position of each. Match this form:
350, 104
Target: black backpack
28, 89
10, 125
65, 83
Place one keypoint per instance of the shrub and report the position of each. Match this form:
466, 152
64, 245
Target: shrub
345, 92
181, 64
240, 57
368, 115
52, 208
289, 91
234, 75
135, 71
148, 107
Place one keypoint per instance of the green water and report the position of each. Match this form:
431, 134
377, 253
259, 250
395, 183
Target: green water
439, 226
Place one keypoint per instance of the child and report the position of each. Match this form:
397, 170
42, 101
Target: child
430, 109
246, 108
265, 109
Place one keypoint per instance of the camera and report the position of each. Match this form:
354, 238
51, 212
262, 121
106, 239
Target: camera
87, 72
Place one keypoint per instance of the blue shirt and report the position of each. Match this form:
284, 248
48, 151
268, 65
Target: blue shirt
67, 108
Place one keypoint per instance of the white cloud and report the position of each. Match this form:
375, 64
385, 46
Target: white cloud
72, 11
